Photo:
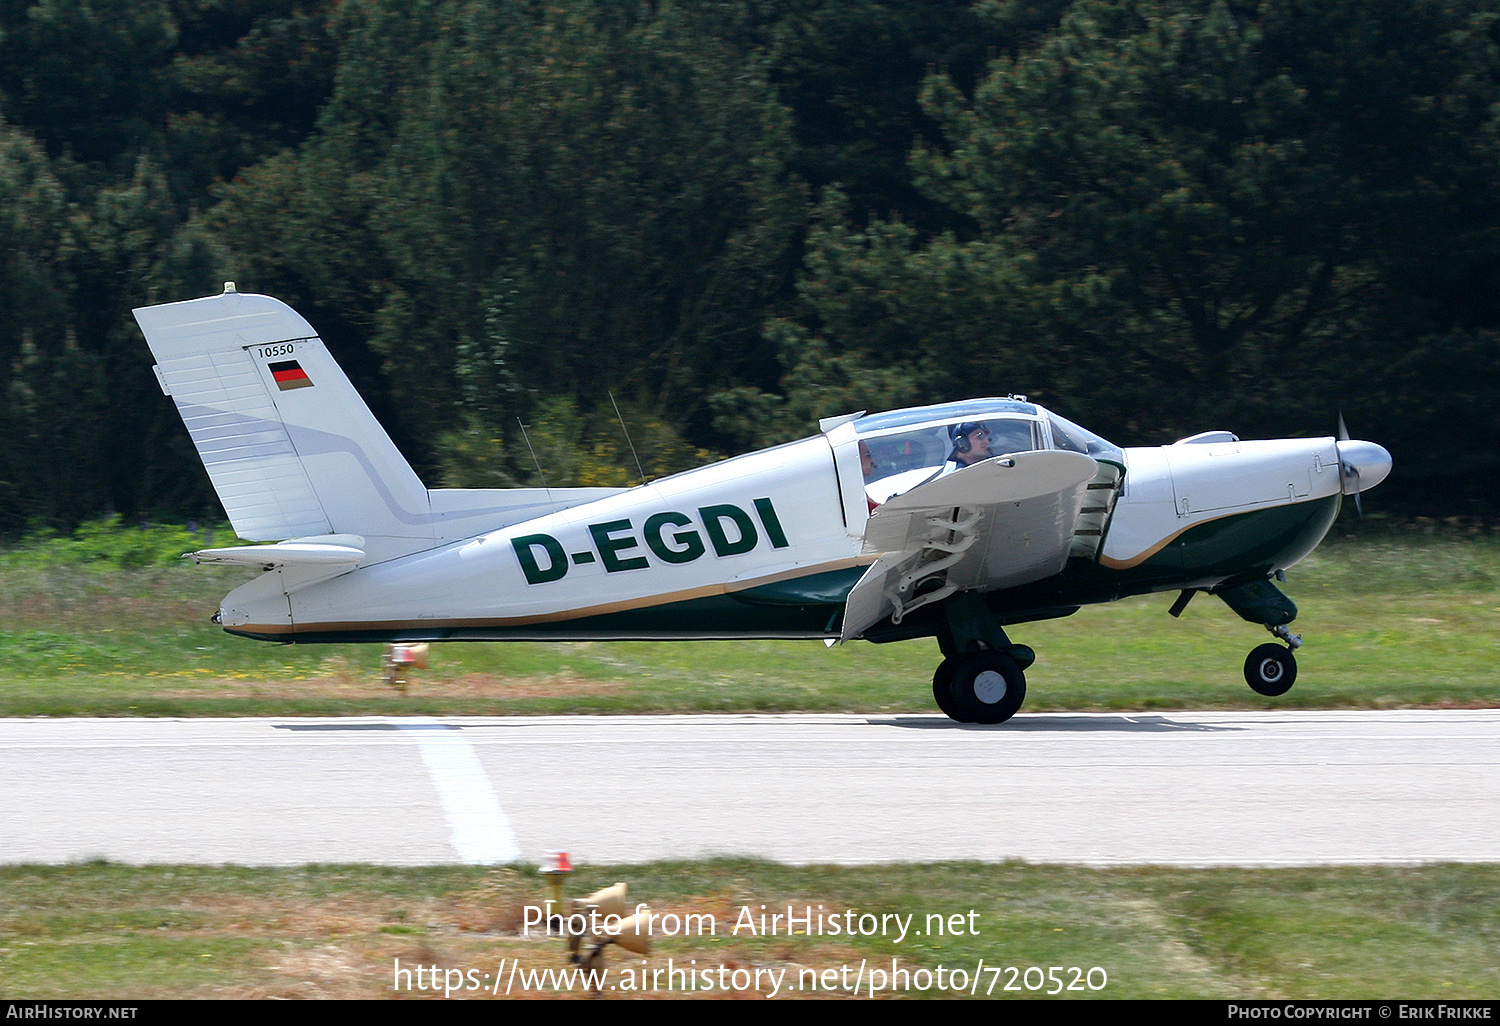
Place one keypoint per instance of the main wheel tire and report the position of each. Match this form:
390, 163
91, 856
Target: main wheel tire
942, 690
987, 687
1271, 670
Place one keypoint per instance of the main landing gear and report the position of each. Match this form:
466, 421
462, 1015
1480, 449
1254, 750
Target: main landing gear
982, 676
979, 687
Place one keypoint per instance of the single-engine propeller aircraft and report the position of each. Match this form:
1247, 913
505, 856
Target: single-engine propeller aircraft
952, 521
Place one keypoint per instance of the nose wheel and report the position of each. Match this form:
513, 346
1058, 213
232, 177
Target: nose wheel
1271, 670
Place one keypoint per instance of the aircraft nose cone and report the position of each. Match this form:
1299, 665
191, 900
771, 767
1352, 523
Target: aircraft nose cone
1365, 464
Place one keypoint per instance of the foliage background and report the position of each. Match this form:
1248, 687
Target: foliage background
1156, 216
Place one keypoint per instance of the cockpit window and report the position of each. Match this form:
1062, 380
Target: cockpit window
898, 459
1069, 436
905, 448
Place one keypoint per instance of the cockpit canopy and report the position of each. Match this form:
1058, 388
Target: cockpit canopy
907, 447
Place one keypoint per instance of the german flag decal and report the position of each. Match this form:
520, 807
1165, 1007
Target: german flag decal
289, 375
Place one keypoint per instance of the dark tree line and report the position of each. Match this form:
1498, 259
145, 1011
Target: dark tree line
737, 216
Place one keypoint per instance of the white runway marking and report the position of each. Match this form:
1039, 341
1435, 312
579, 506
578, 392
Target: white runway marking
482, 834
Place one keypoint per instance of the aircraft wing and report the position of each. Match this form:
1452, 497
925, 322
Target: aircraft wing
997, 524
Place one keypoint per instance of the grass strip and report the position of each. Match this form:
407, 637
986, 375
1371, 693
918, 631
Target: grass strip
109, 931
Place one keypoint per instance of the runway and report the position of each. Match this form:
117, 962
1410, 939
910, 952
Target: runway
1182, 788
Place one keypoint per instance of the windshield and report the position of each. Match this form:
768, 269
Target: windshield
1069, 436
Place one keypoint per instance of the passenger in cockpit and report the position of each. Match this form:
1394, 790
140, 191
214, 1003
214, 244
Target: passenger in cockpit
869, 468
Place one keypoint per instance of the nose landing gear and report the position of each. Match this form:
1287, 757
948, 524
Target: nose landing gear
1270, 669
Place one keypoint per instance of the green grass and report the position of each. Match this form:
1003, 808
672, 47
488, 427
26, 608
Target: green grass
101, 930
1390, 620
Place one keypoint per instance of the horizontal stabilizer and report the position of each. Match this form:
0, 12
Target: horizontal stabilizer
325, 550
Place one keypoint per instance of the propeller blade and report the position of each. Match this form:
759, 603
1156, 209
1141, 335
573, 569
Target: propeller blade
1349, 470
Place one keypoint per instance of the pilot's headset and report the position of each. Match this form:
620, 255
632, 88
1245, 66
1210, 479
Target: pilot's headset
960, 434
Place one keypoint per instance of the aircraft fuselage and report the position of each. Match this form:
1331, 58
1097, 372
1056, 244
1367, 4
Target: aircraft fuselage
768, 545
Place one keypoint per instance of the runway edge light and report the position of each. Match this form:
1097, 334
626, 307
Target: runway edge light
555, 867
400, 660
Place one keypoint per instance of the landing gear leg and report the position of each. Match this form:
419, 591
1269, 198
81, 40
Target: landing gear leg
982, 676
1293, 641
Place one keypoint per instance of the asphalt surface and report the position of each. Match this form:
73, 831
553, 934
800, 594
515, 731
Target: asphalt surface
1186, 788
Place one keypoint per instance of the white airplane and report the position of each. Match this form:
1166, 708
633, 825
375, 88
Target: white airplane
952, 521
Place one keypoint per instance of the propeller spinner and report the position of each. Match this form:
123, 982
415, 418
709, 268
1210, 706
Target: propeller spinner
1361, 464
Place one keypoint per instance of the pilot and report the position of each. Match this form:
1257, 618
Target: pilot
971, 443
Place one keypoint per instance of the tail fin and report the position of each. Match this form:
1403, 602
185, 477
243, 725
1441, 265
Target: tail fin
290, 447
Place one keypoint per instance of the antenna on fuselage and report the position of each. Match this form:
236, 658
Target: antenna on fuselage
638, 467
538, 462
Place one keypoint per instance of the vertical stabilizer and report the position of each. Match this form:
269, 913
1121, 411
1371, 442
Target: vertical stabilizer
290, 447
